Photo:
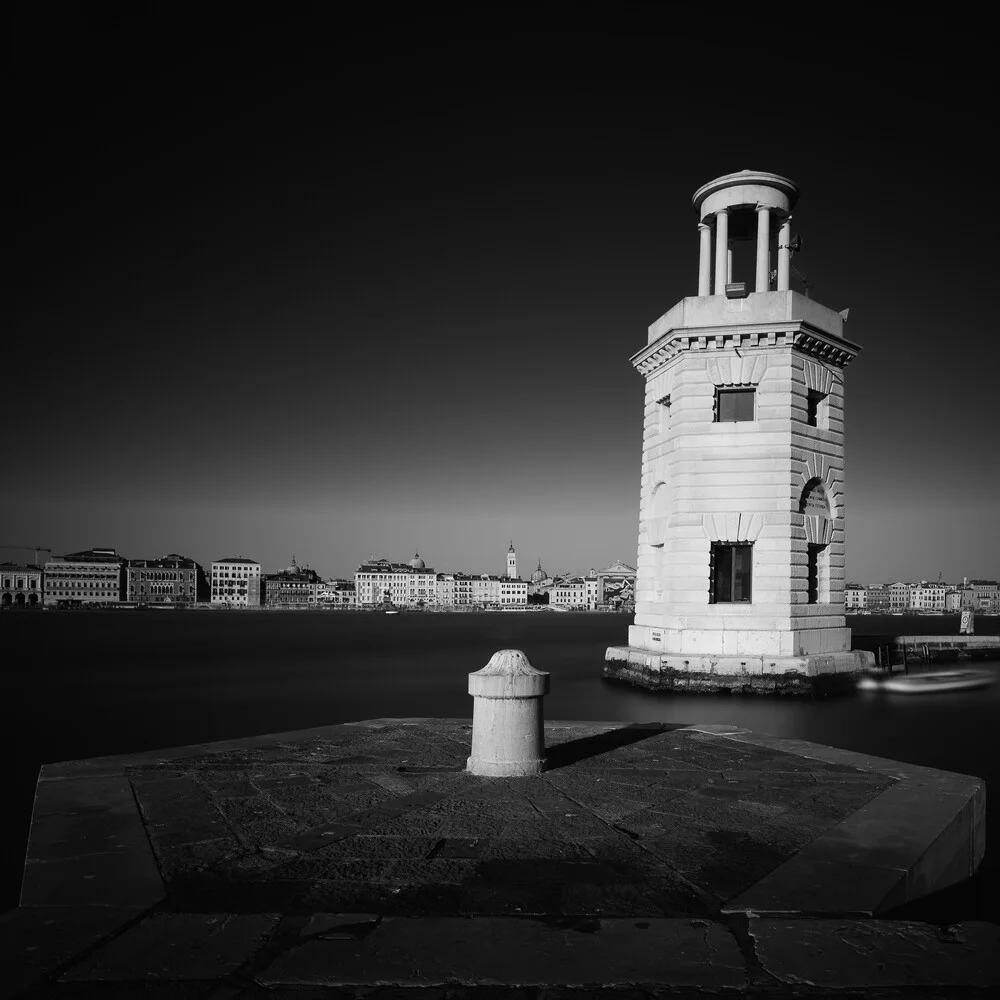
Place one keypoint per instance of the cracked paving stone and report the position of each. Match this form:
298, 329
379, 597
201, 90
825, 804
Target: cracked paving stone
845, 954
177, 946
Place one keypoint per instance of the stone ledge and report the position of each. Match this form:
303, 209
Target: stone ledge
519, 952
924, 833
680, 673
853, 954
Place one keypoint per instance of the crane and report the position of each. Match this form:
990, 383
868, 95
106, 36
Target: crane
28, 548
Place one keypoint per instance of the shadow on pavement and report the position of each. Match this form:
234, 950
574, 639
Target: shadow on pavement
564, 754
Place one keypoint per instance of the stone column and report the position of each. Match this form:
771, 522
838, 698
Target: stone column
763, 238
508, 738
705, 259
784, 254
721, 251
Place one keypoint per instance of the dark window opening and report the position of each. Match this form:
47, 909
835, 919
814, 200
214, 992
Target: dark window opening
814, 402
730, 573
812, 572
734, 404
664, 414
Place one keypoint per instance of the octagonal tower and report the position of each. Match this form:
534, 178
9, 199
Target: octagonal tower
740, 579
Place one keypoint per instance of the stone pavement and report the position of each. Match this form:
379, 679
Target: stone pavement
362, 859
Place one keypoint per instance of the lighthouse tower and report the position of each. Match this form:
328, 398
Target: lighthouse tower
740, 581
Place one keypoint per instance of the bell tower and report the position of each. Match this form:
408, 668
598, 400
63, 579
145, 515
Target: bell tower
740, 580
511, 562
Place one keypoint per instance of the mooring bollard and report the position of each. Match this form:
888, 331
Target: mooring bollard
508, 736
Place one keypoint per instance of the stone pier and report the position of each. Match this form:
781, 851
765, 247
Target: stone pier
362, 859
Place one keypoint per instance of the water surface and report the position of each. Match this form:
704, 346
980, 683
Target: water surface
86, 683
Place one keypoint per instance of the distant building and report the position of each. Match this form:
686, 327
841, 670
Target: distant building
593, 583
20, 586
987, 595
927, 596
236, 582
570, 593
172, 579
511, 562
379, 581
616, 586
337, 594
855, 597
877, 599
93, 577
899, 597
293, 587
953, 600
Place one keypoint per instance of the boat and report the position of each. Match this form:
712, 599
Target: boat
392, 612
929, 682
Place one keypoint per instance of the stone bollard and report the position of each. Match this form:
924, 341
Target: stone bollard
508, 738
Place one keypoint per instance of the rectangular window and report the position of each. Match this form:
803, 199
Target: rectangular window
818, 574
731, 571
664, 414
734, 405
816, 409
812, 573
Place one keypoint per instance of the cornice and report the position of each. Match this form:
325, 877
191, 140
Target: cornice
798, 334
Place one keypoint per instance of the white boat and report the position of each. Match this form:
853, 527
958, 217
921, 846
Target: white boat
930, 682
392, 612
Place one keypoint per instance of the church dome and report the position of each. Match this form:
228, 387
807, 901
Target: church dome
539, 573
416, 562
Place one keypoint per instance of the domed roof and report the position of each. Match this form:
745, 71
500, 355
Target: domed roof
416, 562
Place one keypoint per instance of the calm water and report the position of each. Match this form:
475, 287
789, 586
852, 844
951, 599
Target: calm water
81, 684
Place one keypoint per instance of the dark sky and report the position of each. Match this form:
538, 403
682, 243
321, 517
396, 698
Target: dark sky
329, 290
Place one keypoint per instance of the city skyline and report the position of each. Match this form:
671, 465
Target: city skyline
273, 306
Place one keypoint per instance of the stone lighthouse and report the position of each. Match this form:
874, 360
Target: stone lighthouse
740, 582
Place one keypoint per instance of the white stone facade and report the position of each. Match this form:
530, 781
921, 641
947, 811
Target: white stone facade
743, 464
569, 594
400, 584
235, 583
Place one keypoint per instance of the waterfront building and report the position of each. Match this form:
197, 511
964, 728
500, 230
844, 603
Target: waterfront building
93, 577
593, 584
987, 596
616, 586
20, 586
877, 599
854, 597
511, 562
293, 587
485, 590
337, 594
236, 582
380, 581
742, 500
953, 600
571, 593
928, 596
899, 597
173, 579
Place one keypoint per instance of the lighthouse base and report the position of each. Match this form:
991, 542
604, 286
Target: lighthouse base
814, 675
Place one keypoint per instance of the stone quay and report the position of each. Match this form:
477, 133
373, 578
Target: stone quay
368, 858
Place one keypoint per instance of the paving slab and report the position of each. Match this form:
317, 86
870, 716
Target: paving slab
519, 952
363, 856
843, 954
